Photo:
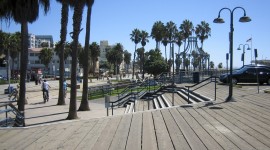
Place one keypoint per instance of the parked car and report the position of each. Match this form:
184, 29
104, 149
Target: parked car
248, 74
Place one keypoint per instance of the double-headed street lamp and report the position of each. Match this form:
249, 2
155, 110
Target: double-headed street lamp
243, 54
220, 20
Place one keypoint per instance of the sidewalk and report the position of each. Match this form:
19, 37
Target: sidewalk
38, 113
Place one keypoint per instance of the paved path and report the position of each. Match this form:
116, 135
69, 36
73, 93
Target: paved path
36, 112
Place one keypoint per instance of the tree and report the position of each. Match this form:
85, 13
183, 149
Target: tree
156, 33
135, 37
212, 65
140, 53
220, 65
171, 30
155, 63
127, 59
22, 12
84, 106
94, 54
186, 28
45, 56
144, 36
77, 19
203, 31
61, 48
115, 56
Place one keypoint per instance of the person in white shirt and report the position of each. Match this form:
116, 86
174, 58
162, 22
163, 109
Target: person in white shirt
45, 88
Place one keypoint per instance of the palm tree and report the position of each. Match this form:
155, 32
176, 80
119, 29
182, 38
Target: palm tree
157, 31
62, 43
84, 103
186, 27
45, 56
203, 31
144, 37
127, 59
171, 32
77, 19
23, 12
95, 53
135, 37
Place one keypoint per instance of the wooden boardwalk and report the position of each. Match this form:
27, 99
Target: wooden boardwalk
243, 124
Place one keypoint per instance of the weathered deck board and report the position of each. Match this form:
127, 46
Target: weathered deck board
245, 127
107, 134
218, 136
191, 137
148, 135
91, 138
208, 141
121, 135
242, 144
135, 132
244, 124
175, 133
162, 135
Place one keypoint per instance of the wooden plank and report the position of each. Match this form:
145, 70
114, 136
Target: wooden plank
91, 138
176, 135
241, 133
105, 139
168, 103
148, 136
52, 135
163, 137
135, 132
246, 128
19, 140
191, 137
121, 135
243, 118
71, 141
156, 105
218, 136
239, 142
204, 136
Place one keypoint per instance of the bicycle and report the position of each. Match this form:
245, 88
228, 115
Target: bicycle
13, 94
45, 96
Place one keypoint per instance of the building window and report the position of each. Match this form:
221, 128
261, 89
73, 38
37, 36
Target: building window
32, 54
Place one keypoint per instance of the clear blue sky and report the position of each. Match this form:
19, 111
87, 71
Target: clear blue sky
115, 20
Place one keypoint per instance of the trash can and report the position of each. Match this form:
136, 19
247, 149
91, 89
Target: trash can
196, 77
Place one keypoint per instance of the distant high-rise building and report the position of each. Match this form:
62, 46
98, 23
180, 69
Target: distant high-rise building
104, 46
38, 41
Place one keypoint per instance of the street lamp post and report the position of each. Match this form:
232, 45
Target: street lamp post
220, 20
243, 54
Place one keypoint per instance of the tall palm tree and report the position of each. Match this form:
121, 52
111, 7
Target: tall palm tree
156, 33
84, 103
144, 37
23, 12
77, 19
203, 31
186, 27
171, 32
94, 54
63, 35
135, 37
46, 56
127, 59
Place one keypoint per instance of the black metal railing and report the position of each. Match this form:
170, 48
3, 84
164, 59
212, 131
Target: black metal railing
10, 116
202, 84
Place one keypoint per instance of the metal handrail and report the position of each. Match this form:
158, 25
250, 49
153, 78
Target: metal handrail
209, 78
18, 120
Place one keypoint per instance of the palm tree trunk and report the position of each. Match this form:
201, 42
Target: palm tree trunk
24, 60
77, 19
84, 103
63, 32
